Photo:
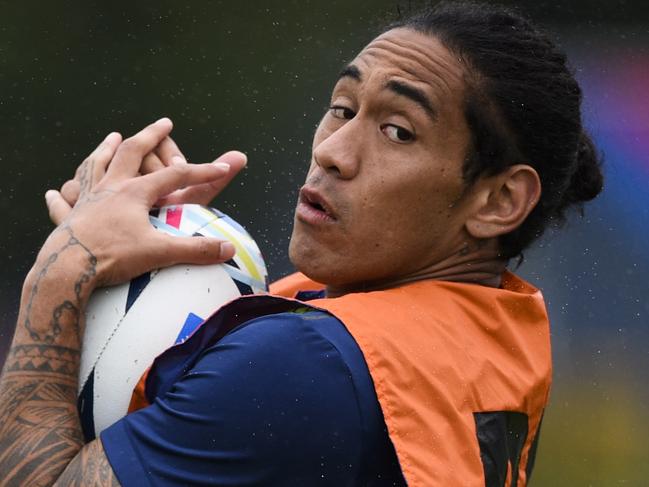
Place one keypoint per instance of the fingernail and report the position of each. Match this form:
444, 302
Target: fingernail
49, 194
178, 160
110, 136
235, 154
227, 250
164, 120
222, 165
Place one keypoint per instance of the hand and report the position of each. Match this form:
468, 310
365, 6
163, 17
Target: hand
109, 220
164, 155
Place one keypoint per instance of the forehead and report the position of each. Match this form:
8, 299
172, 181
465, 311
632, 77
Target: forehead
414, 57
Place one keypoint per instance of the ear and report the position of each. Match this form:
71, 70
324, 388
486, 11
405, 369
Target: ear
503, 202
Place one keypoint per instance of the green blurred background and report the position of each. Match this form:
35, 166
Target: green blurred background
256, 76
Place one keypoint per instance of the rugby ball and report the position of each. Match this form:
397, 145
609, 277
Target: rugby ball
129, 325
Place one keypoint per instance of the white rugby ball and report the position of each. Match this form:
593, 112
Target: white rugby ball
129, 325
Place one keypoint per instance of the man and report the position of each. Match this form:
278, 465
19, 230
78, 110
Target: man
452, 140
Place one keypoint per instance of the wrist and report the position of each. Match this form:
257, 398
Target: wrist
55, 295
66, 266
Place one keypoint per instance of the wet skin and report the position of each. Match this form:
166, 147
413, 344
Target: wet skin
384, 200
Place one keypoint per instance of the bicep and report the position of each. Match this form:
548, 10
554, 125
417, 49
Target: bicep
90, 468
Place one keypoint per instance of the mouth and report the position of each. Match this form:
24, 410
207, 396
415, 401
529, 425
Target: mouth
313, 208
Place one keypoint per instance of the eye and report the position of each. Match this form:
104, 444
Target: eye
397, 134
342, 112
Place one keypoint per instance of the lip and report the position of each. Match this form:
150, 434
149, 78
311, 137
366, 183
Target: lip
314, 208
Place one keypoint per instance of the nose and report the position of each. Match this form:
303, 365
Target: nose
339, 153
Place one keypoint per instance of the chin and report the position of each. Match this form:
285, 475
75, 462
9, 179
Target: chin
312, 263
305, 260
320, 263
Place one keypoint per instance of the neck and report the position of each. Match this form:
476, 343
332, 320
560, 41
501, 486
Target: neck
477, 265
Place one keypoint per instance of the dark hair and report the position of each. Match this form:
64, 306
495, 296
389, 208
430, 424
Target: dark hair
522, 105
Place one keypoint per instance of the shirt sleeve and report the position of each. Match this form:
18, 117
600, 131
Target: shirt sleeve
272, 403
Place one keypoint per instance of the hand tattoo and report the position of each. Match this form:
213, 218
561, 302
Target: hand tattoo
85, 177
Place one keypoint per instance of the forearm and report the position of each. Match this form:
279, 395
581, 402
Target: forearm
40, 431
105, 239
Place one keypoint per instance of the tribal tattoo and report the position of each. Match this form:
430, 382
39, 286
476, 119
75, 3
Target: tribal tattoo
40, 432
90, 468
39, 425
43, 358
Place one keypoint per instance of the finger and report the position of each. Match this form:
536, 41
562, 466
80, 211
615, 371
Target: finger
204, 193
93, 169
194, 250
70, 191
104, 155
57, 207
151, 163
160, 183
169, 153
128, 158
235, 159
110, 143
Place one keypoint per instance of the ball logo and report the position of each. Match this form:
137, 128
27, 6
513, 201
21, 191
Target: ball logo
191, 323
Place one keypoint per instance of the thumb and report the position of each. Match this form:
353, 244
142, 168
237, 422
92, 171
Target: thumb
195, 250
57, 206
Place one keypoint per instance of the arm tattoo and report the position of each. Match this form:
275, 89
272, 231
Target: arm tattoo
39, 424
43, 358
90, 468
67, 307
40, 432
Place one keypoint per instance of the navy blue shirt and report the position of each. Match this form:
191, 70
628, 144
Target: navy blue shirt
284, 399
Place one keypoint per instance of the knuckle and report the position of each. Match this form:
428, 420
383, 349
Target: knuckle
133, 188
132, 144
105, 151
70, 192
69, 185
203, 247
205, 250
181, 171
81, 167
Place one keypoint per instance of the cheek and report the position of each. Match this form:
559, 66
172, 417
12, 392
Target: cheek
407, 218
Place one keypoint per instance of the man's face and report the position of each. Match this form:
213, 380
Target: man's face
382, 199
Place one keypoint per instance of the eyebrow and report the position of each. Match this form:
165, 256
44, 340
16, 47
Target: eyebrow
398, 87
414, 94
350, 71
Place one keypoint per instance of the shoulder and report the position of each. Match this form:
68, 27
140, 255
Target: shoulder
306, 354
304, 331
275, 395
288, 326
303, 326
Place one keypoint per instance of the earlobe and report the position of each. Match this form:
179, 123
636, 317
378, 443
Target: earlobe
504, 201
